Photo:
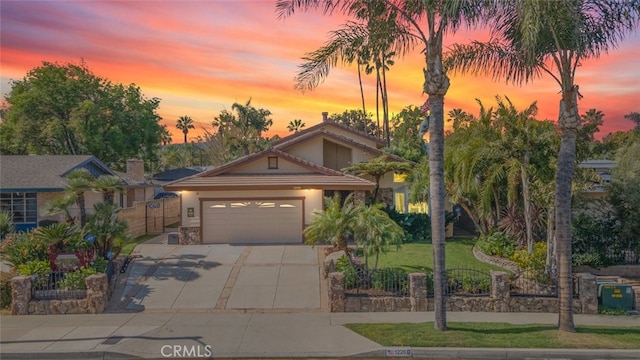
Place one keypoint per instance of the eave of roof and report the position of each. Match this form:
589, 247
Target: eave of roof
273, 182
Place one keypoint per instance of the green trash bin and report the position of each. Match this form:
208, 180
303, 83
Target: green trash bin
615, 295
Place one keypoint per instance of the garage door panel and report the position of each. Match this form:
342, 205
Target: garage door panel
252, 221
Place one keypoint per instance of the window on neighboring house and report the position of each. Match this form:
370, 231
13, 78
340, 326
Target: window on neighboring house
23, 207
273, 162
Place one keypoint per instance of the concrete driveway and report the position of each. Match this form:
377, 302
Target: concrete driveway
221, 278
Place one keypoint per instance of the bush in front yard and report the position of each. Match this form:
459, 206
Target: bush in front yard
5, 289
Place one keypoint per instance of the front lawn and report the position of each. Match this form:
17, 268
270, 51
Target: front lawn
418, 256
500, 335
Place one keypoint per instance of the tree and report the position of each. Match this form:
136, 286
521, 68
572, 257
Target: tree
239, 134
532, 38
66, 109
624, 196
184, 124
406, 139
79, 181
335, 224
370, 42
376, 232
441, 16
356, 120
108, 230
107, 185
376, 168
295, 125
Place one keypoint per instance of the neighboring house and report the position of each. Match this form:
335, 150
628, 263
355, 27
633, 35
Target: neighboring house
168, 176
136, 185
603, 169
269, 197
29, 182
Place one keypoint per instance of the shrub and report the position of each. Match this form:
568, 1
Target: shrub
350, 276
6, 224
22, 247
46, 222
496, 244
5, 289
416, 226
76, 280
389, 279
100, 265
38, 269
536, 261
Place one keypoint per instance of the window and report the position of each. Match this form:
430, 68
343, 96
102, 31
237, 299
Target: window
273, 162
23, 207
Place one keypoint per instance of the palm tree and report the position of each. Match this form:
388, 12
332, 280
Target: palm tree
376, 232
335, 224
107, 228
532, 38
165, 135
107, 185
62, 204
377, 168
441, 16
295, 125
79, 181
185, 123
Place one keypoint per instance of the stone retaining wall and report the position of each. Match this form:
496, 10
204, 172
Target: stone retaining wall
94, 303
499, 300
189, 235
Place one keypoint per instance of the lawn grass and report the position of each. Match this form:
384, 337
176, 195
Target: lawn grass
129, 246
418, 256
500, 335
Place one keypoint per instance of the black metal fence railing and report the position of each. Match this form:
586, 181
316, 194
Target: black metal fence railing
380, 282
534, 282
57, 285
467, 282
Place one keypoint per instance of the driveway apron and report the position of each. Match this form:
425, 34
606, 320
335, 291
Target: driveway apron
221, 278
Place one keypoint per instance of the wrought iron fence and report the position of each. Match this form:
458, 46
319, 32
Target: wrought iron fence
55, 285
534, 282
380, 282
467, 282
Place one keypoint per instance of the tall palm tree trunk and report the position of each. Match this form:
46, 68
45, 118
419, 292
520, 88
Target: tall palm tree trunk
385, 105
569, 122
437, 202
378, 87
364, 109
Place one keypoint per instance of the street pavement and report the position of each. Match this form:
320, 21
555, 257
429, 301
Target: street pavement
222, 301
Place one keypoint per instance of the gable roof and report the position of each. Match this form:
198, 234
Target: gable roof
337, 138
221, 178
322, 127
44, 173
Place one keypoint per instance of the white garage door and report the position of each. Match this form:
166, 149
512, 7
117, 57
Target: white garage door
252, 221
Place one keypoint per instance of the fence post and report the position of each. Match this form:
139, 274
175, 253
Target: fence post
500, 291
97, 293
418, 291
336, 291
588, 293
20, 295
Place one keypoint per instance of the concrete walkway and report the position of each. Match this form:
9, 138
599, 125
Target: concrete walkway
220, 277
254, 335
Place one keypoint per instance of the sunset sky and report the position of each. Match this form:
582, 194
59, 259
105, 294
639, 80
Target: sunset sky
199, 57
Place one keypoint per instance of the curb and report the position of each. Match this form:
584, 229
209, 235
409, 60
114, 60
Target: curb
506, 353
89, 355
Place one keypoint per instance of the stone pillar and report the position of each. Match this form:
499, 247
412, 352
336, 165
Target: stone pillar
97, 293
418, 291
336, 292
189, 235
588, 292
500, 291
20, 295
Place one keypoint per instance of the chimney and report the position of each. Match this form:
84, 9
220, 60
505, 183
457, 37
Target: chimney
325, 116
135, 170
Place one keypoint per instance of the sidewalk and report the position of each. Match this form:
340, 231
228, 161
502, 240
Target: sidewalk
167, 334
